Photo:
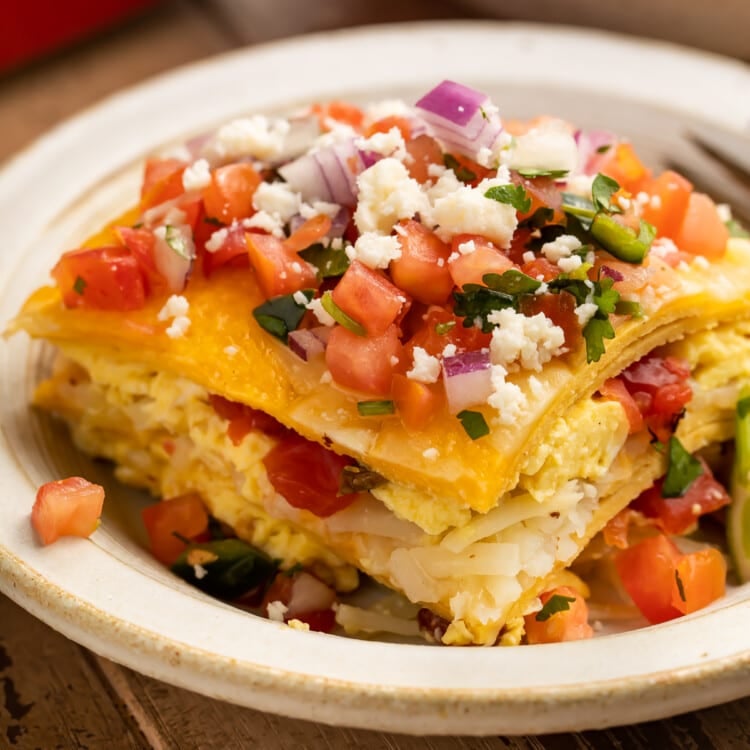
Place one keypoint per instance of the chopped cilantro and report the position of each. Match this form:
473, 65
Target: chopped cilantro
629, 307
462, 173
737, 230
359, 479
680, 586
532, 173
442, 328
280, 315
375, 408
483, 113
79, 285
329, 261
513, 195
682, 469
539, 218
594, 333
291, 572
177, 242
556, 603
603, 149
602, 190
511, 282
213, 220
474, 423
340, 316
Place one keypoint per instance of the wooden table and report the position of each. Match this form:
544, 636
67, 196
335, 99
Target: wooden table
56, 694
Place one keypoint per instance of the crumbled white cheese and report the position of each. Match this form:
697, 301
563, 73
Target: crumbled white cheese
386, 108
216, 240
585, 311
374, 250
175, 306
199, 572
530, 340
467, 211
386, 144
529, 256
449, 350
387, 194
277, 199
276, 611
447, 183
655, 202
624, 202
493, 157
197, 175
663, 247
561, 247
256, 136
296, 624
580, 184
431, 454
724, 211
310, 210
336, 133
506, 397
300, 298
701, 262
549, 147
426, 368
326, 377
231, 350
437, 170
568, 265
465, 248
317, 309
267, 222
179, 327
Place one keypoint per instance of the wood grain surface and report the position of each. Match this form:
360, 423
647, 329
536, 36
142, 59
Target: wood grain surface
55, 695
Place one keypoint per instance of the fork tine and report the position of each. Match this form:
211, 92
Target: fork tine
731, 149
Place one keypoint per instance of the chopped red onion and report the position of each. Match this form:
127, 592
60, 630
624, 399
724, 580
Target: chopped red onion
328, 175
467, 379
301, 135
308, 595
461, 118
305, 344
589, 143
612, 273
174, 252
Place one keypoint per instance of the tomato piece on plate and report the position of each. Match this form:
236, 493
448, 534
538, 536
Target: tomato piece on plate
306, 598
307, 475
622, 164
278, 269
470, 267
571, 624
309, 233
422, 270
166, 521
67, 507
232, 250
229, 196
703, 575
369, 298
162, 181
541, 269
364, 363
678, 515
385, 125
243, 419
702, 231
343, 112
140, 242
416, 403
544, 193
670, 195
561, 310
439, 328
105, 278
424, 152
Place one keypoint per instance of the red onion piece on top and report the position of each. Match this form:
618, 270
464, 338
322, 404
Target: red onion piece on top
467, 379
306, 344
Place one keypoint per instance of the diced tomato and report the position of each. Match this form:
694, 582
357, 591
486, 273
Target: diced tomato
670, 196
702, 231
678, 515
541, 268
67, 507
422, 269
312, 231
342, 112
467, 170
622, 164
166, 521
307, 475
105, 278
464, 339
571, 624
140, 242
561, 310
385, 124
614, 390
162, 181
306, 598
243, 419
278, 269
424, 151
519, 245
469, 268
416, 403
231, 250
651, 569
229, 196
544, 193
364, 363
369, 298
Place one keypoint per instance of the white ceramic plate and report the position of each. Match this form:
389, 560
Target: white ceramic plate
107, 594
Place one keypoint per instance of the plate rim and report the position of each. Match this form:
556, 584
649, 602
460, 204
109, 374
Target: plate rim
480, 704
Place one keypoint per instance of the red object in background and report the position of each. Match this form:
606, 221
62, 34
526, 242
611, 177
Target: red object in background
31, 28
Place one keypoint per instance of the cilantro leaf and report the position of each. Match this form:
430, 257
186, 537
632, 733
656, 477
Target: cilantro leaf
539, 218
474, 423
556, 603
375, 408
594, 333
604, 296
511, 282
280, 315
629, 307
442, 328
462, 173
79, 285
680, 585
603, 149
737, 230
532, 173
359, 479
682, 469
329, 261
602, 190
513, 195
